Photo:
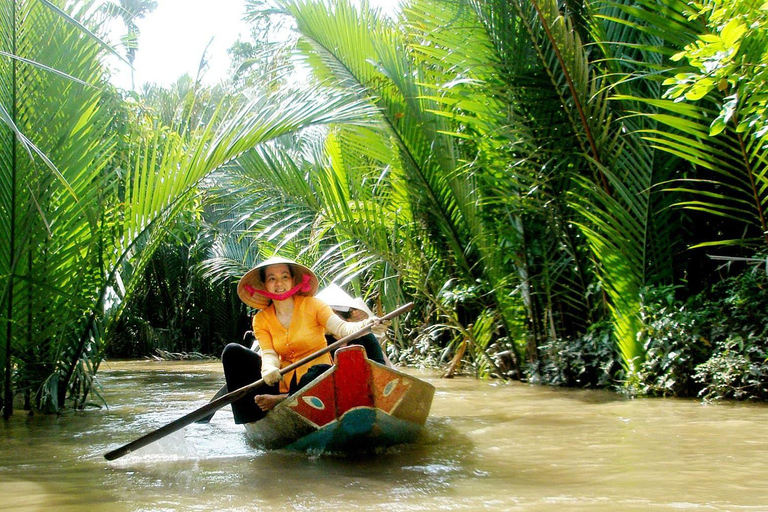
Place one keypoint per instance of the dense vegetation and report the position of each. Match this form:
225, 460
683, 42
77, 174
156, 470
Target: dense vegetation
573, 193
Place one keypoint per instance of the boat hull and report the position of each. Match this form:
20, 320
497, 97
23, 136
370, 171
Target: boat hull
356, 405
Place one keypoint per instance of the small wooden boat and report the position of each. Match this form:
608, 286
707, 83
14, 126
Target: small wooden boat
357, 404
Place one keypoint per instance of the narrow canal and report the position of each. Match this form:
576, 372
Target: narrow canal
487, 447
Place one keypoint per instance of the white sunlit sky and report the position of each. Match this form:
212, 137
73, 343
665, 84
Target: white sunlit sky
173, 38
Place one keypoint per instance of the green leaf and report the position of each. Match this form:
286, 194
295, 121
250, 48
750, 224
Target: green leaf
732, 33
700, 89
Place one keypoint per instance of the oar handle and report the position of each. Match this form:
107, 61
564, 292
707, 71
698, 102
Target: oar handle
237, 394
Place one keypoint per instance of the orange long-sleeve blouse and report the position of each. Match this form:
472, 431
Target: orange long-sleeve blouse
304, 336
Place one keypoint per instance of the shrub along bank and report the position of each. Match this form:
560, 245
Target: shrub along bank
713, 345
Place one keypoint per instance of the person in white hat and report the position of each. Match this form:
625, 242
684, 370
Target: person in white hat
353, 310
290, 325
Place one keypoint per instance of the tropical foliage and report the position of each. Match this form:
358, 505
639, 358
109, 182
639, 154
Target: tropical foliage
546, 179
527, 169
81, 219
711, 345
55, 197
517, 186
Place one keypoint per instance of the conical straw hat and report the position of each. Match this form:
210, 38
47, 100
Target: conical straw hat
250, 282
338, 299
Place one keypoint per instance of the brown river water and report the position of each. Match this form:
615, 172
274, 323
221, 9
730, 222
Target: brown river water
487, 446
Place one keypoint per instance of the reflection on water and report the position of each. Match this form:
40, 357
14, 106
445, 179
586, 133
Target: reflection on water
487, 447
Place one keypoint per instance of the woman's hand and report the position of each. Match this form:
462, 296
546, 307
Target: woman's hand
378, 326
271, 376
270, 365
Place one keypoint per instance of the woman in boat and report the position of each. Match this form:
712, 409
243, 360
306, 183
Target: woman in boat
290, 325
353, 310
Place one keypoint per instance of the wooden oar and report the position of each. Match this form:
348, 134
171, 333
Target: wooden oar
235, 395
248, 341
221, 392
